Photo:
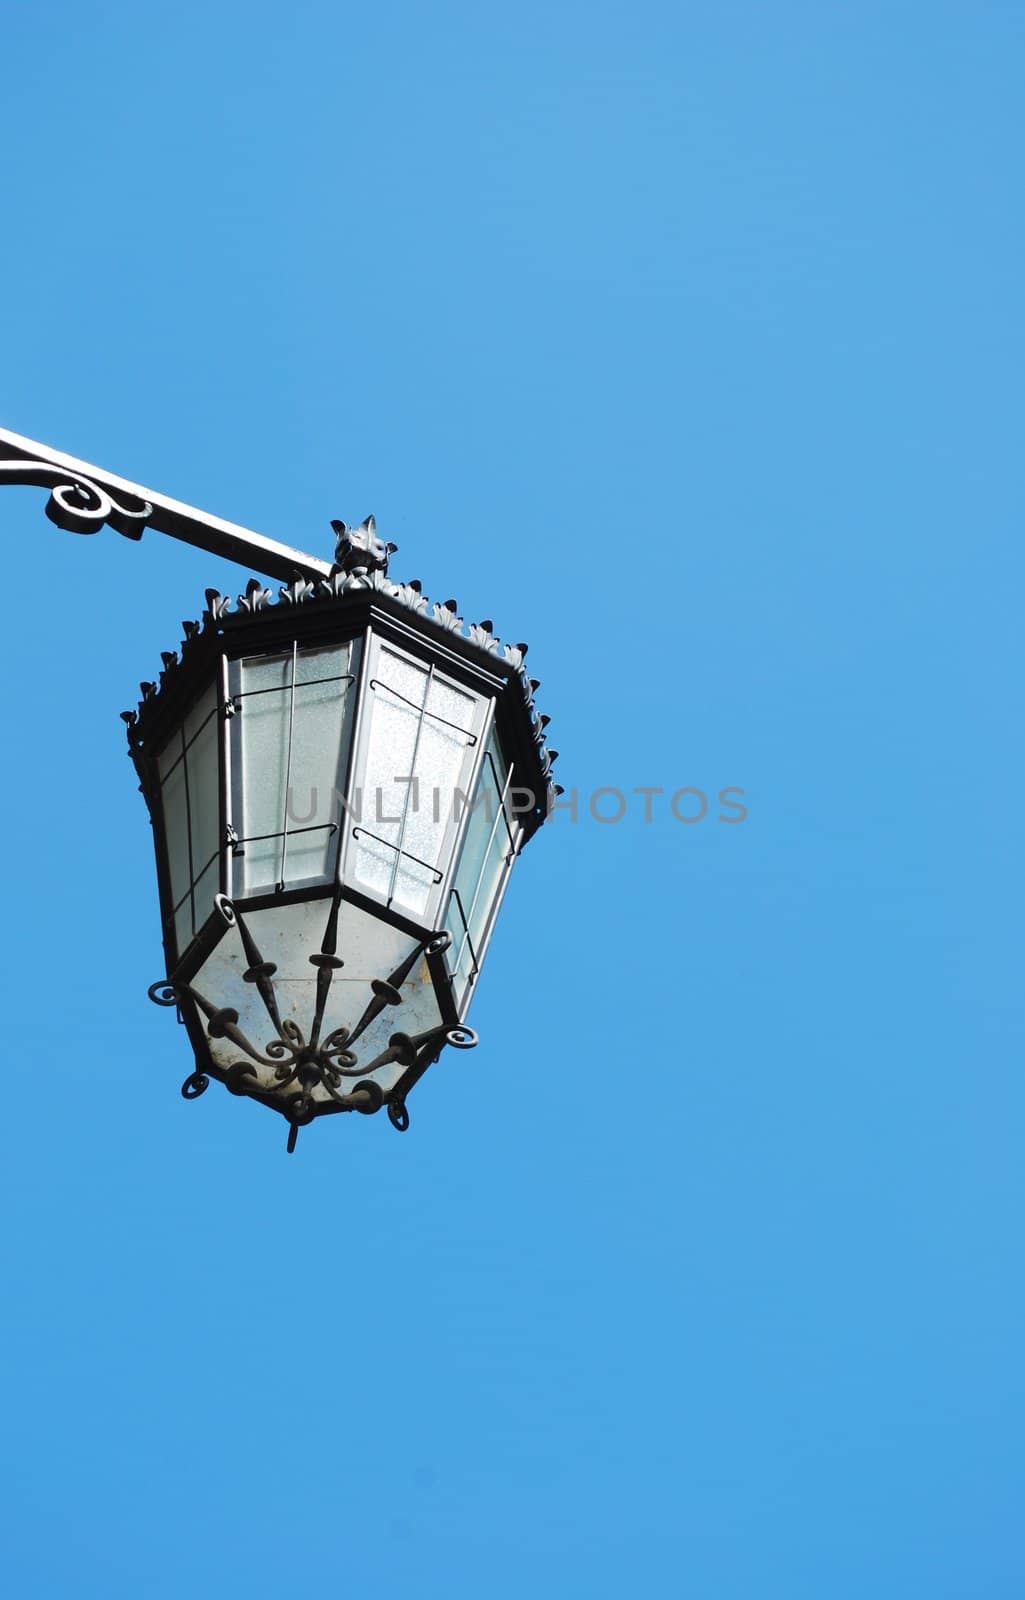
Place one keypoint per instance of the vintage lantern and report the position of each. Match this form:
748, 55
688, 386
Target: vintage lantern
339, 782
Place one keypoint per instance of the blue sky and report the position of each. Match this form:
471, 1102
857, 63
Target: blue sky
685, 342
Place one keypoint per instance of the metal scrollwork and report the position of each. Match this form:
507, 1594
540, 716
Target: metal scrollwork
297, 1065
225, 908
78, 505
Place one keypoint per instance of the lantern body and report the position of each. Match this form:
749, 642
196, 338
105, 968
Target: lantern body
339, 784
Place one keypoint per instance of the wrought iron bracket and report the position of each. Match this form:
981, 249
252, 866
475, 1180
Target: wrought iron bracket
83, 498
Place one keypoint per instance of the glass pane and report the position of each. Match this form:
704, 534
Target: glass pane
176, 830
460, 956
289, 795
206, 886
169, 757
490, 882
316, 775
183, 924
413, 884
405, 678
394, 701
202, 761
188, 769
373, 863
264, 735
479, 875
443, 759
409, 737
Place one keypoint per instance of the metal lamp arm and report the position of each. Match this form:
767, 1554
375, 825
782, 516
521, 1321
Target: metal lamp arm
83, 498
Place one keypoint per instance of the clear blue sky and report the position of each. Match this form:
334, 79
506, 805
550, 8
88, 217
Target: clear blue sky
685, 342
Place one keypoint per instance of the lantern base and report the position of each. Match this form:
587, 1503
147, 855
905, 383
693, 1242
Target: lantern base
305, 1077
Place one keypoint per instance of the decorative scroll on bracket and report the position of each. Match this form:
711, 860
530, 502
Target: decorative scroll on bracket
84, 497
77, 504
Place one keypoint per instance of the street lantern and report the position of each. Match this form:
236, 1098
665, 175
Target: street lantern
339, 781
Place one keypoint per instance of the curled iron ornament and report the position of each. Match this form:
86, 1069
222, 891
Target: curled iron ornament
398, 1115
77, 504
461, 1037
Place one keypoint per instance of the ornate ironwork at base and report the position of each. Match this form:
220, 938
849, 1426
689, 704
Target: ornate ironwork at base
298, 1064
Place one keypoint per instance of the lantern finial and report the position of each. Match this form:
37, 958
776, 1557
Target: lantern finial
360, 547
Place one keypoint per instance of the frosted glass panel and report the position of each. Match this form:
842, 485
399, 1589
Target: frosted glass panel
413, 884
293, 746
316, 775
421, 727
452, 704
373, 863
403, 677
396, 694
439, 766
264, 731
481, 870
